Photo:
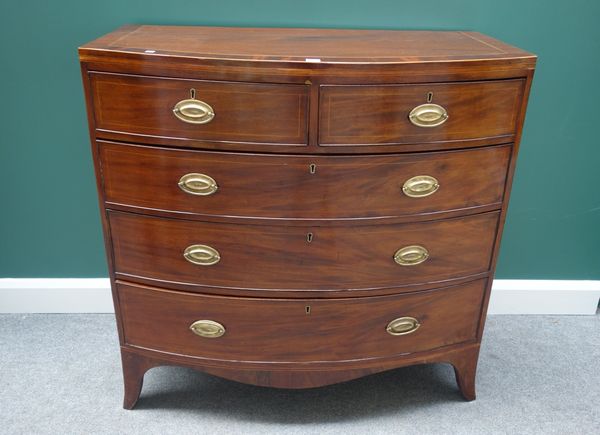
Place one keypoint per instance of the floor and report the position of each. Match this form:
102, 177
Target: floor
60, 374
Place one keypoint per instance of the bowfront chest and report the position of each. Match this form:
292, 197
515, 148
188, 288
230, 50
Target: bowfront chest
299, 207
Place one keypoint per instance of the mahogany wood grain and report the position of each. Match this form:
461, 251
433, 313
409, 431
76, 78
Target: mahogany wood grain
302, 330
511, 170
134, 368
134, 76
136, 361
299, 73
364, 115
279, 257
465, 370
282, 187
294, 149
101, 200
244, 112
303, 293
461, 65
299, 44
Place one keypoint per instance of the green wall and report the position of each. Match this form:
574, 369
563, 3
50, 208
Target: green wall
49, 224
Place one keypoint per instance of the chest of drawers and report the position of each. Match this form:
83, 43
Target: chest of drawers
299, 207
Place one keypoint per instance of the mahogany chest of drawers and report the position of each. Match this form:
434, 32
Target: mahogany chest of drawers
298, 207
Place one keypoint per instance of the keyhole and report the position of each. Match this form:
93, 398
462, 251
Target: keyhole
429, 97
193, 94
309, 237
312, 168
307, 309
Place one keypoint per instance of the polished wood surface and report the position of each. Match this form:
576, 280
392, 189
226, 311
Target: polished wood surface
363, 115
144, 106
299, 331
285, 44
282, 187
310, 146
137, 361
279, 257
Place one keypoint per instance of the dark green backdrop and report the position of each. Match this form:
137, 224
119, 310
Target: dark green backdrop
49, 224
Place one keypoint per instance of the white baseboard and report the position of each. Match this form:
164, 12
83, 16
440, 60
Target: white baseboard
92, 295
533, 296
55, 295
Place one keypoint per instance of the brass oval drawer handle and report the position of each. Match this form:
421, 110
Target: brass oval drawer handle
402, 326
194, 111
198, 184
207, 328
202, 255
428, 115
420, 186
411, 255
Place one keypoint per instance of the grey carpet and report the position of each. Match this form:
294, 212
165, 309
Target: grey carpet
60, 374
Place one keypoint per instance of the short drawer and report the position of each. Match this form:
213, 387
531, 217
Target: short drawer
420, 113
297, 257
199, 109
311, 187
299, 330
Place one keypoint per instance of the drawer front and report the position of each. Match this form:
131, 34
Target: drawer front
366, 115
290, 188
301, 330
243, 112
298, 257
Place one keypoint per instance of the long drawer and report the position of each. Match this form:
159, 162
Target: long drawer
418, 113
299, 330
200, 109
302, 187
297, 257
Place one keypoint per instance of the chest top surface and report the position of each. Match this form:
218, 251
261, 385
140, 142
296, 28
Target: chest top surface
300, 44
